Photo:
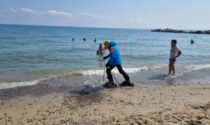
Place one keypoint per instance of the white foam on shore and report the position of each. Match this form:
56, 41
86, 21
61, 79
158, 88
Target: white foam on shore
17, 84
191, 67
195, 67
100, 72
128, 70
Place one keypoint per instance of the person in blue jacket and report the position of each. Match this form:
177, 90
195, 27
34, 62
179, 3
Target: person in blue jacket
114, 61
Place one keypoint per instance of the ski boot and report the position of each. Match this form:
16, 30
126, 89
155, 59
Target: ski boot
126, 83
110, 84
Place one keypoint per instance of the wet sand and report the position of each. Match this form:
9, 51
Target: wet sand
170, 105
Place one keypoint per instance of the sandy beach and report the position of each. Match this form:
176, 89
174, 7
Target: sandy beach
58, 58
170, 105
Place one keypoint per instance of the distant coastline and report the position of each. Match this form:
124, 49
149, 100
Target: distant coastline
182, 31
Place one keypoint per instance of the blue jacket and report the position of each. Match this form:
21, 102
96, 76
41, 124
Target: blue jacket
114, 56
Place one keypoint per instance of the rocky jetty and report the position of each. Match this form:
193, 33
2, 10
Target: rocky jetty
182, 31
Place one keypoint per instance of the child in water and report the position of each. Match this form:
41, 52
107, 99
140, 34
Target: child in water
174, 53
100, 50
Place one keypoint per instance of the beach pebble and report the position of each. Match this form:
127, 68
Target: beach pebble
62, 121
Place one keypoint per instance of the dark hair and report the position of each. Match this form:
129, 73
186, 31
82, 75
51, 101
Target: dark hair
173, 41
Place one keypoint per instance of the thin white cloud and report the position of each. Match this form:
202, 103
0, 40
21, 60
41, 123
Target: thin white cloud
59, 13
65, 18
36, 12
29, 11
13, 10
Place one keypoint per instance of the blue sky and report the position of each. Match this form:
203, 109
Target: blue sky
179, 14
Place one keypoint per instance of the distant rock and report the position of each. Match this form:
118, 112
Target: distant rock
207, 31
181, 31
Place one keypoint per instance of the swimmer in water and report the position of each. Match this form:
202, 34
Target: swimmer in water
84, 39
192, 41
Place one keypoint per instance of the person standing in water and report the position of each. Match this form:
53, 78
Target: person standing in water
100, 50
95, 40
174, 53
114, 61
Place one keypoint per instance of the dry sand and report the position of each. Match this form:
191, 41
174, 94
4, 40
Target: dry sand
171, 105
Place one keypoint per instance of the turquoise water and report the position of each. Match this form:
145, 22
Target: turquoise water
29, 53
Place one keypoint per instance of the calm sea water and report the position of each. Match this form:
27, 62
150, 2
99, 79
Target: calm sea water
29, 54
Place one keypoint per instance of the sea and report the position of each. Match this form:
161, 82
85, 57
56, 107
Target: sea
32, 55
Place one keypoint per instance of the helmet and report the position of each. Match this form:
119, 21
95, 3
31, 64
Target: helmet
106, 44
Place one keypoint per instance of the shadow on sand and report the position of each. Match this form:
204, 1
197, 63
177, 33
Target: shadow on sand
87, 90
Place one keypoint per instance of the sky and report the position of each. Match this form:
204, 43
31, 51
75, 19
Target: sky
144, 14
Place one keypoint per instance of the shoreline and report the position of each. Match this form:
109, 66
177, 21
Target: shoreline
180, 104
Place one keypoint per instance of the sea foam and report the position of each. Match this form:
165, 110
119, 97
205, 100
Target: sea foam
128, 70
17, 84
195, 67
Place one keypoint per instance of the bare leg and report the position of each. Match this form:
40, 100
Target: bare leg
169, 67
173, 68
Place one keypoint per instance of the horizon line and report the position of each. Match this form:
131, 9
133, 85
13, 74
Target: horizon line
98, 27
75, 26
